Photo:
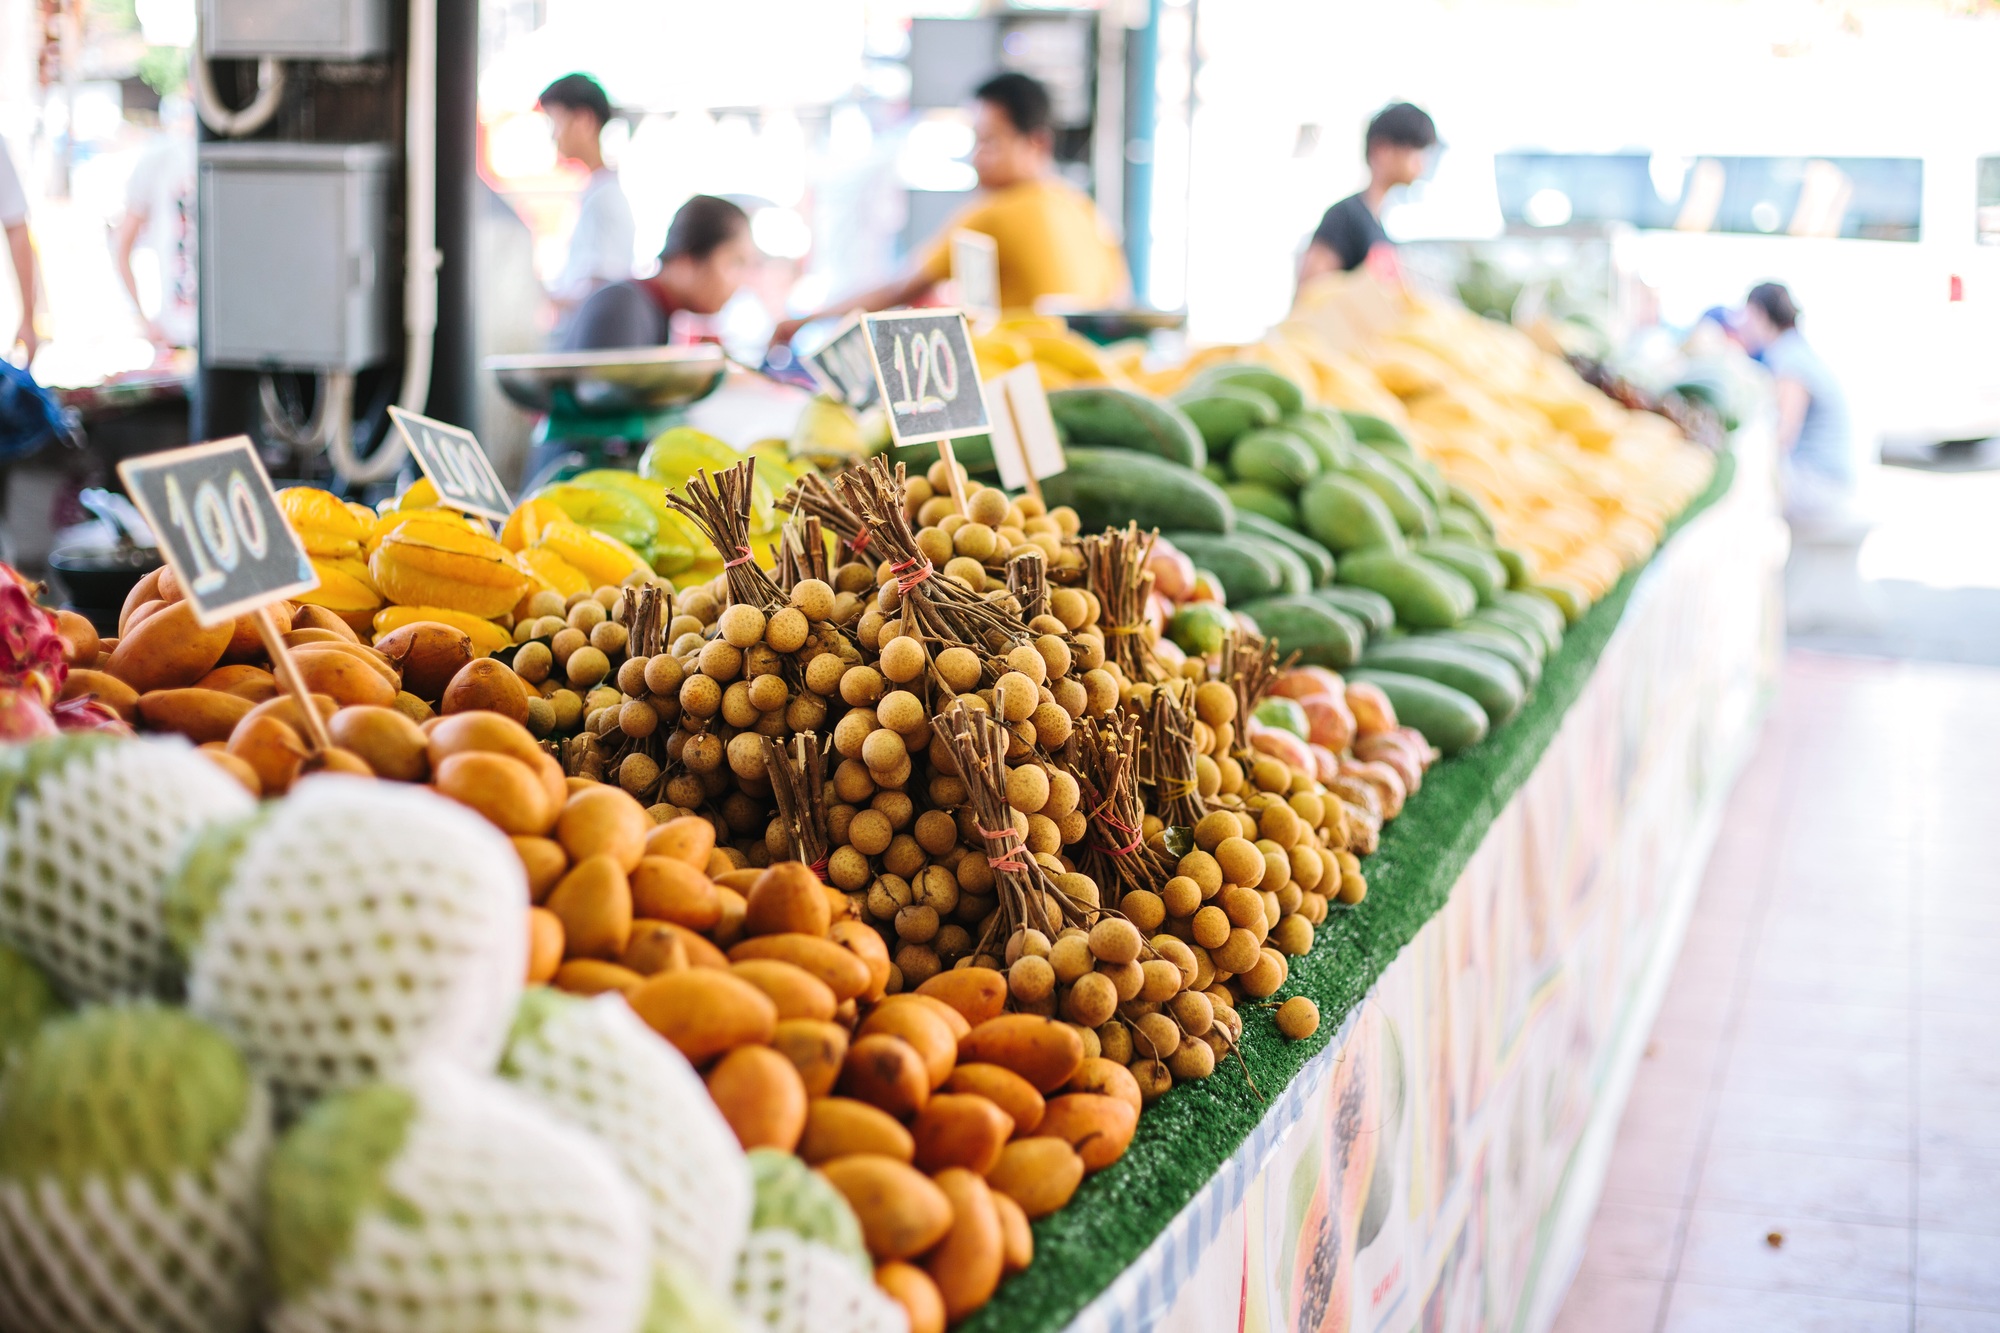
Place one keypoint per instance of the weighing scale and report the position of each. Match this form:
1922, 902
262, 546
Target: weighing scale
1109, 326
598, 406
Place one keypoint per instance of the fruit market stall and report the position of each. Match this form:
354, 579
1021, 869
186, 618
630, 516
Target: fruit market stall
772, 889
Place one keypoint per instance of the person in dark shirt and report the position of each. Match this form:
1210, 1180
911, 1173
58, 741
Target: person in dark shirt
708, 255
1398, 147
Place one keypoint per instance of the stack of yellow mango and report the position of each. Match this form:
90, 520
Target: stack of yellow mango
1062, 358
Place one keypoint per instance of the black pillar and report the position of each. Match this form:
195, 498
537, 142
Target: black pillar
454, 374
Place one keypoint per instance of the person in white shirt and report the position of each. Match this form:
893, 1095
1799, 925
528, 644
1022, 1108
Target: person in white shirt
21, 249
600, 248
159, 207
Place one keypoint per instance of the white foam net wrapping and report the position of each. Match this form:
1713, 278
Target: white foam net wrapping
596, 1064
788, 1284
522, 1225
366, 925
85, 856
123, 1257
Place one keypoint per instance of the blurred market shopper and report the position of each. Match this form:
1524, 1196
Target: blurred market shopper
159, 214
1050, 239
1398, 147
600, 247
1815, 437
21, 249
707, 256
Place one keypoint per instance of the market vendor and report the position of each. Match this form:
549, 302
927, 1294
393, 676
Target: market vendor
708, 255
1398, 146
1050, 239
1814, 431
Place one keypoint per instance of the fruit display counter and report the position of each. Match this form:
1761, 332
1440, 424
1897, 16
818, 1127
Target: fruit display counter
772, 889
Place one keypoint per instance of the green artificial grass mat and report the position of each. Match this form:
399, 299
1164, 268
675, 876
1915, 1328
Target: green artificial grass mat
1186, 1136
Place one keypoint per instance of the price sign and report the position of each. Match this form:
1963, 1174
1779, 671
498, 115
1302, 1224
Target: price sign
1026, 447
927, 375
220, 528
456, 465
842, 367
975, 267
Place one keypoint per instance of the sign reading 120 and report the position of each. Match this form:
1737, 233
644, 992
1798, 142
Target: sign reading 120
928, 375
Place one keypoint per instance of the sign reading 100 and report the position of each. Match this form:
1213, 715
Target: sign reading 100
219, 526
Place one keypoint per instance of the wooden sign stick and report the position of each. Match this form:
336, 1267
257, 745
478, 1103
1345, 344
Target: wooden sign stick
1021, 447
287, 672
951, 475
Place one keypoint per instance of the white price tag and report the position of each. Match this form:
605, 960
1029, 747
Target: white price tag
1026, 446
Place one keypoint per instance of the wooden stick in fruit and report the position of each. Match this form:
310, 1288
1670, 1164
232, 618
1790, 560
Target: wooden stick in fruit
287, 672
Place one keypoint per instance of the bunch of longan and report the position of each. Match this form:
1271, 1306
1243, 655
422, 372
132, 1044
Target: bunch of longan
568, 652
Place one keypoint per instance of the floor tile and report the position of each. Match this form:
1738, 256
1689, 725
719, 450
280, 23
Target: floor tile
1679, 1062
1782, 1067
1951, 1124
1733, 1249
1943, 1319
1664, 1114
1632, 1240
1960, 1193
1844, 1026
1871, 1127
1609, 1303
1650, 1172
1957, 1269
1700, 1308
1820, 1185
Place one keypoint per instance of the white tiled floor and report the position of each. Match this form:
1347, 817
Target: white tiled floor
1813, 1141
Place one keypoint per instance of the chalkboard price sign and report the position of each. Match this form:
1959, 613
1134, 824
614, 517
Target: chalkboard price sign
220, 527
927, 374
842, 366
456, 465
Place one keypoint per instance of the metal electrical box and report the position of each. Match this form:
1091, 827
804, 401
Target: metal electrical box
293, 251
295, 29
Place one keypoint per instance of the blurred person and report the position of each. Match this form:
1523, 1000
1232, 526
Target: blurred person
600, 246
707, 257
21, 249
159, 212
1815, 437
1398, 149
1049, 238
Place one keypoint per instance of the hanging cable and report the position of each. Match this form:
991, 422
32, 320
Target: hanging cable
221, 119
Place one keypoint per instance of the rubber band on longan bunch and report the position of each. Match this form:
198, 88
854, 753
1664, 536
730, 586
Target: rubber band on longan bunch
1167, 761
1107, 764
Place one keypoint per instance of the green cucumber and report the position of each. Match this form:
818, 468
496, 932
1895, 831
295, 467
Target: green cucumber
1222, 411
1490, 680
1276, 456
1373, 429
1330, 439
1457, 521
1422, 475
1566, 597
1481, 569
1113, 487
1281, 388
1317, 557
1320, 635
1294, 574
1519, 574
1426, 595
1510, 620
1245, 571
1121, 419
1514, 649
1342, 514
1371, 608
1413, 512
1215, 472
1466, 500
1255, 497
1541, 609
1449, 719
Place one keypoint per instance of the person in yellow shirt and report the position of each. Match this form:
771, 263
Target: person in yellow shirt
1049, 239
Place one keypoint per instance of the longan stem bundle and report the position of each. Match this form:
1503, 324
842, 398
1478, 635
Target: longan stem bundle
933, 607
648, 610
1167, 761
1115, 570
721, 509
812, 495
801, 553
977, 742
1107, 751
798, 782
1250, 667
1028, 580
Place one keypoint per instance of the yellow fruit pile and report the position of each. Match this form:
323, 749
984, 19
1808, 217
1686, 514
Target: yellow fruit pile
1062, 358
